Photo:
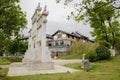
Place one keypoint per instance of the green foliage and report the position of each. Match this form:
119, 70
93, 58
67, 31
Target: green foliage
103, 53
3, 61
13, 59
117, 46
12, 20
3, 72
92, 56
17, 46
70, 56
4, 44
11, 17
8, 60
104, 22
79, 47
103, 17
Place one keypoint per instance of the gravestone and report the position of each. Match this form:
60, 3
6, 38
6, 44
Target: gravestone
85, 63
112, 51
38, 55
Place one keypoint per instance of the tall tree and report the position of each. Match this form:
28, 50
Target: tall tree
12, 19
102, 15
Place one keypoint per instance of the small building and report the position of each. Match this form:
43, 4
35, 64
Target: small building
60, 41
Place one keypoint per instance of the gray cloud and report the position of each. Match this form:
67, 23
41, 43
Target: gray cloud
56, 19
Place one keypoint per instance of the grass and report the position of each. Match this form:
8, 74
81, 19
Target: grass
71, 56
101, 70
4, 61
3, 73
8, 60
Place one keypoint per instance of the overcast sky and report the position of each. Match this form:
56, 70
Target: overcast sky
56, 18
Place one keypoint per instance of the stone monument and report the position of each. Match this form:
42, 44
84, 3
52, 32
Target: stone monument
38, 55
85, 63
112, 51
37, 59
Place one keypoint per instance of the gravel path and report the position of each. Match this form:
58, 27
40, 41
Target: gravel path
58, 62
62, 62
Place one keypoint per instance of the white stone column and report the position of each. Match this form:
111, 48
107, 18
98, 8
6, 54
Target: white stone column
38, 57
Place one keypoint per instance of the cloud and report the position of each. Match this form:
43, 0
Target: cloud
57, 16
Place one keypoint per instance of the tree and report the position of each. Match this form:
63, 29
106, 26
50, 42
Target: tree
17, 45
12, 19
104, 22
102, 15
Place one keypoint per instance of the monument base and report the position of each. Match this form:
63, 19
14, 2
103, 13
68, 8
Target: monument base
20, 69
40, 66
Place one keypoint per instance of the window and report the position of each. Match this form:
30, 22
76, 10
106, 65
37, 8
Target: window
59, 35
61, 43
49, 44
68, 45
56, 44
68, 36
34, 44
72, 37
40, 43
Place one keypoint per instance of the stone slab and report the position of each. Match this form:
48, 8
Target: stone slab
40, 66
19, 69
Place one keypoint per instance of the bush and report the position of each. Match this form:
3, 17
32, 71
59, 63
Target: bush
8, 60
103, 52
80, 47
71, 56
92, 56
14, 59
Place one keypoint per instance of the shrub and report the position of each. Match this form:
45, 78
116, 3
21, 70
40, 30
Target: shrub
8, 60
92, 56
3, 61
103, 52
79, 47
71, 56
14, 59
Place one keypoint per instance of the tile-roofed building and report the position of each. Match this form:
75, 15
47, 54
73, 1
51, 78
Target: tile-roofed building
61, 41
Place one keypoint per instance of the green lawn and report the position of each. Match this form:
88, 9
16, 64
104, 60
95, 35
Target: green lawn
70, 56
3, 73
8, 60
102, 70
4, 61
